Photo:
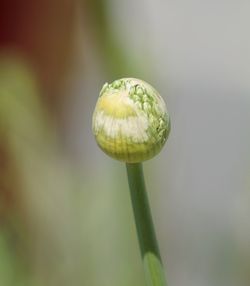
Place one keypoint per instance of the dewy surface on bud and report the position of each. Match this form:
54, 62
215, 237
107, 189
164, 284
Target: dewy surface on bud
130, 121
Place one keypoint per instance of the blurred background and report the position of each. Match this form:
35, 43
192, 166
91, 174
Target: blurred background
65, 214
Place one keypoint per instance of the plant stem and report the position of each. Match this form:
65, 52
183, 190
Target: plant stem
152, 263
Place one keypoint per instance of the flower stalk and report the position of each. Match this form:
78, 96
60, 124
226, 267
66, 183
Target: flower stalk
152, 264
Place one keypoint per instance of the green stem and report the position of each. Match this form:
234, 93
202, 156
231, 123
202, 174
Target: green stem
152, 264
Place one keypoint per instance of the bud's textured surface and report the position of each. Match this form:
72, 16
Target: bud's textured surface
130, 121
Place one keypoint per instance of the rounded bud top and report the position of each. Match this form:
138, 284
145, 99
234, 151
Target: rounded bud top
130, 121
